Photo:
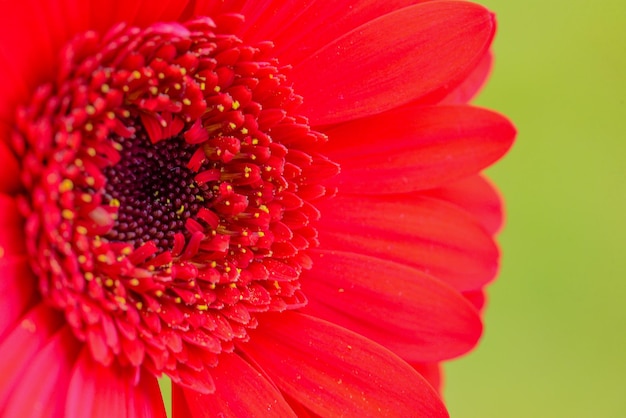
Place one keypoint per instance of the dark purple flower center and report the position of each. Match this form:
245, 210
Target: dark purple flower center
153, 189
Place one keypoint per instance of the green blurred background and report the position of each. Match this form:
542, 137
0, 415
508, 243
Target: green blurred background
555, 340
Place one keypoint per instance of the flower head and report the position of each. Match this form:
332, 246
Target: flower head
282, 216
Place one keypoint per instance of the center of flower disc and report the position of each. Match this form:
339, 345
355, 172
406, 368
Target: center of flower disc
153, 189
168, 187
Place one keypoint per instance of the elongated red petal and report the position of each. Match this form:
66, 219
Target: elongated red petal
97, 391
22, 344
335, 372
17, 290
416, 148
297, 29
39, 391
240, 391
477, 196
433, 48
431, 372
414, 315
468, 89
428, 234
9, 181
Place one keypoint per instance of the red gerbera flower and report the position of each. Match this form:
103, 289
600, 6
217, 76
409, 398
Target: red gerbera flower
170, 204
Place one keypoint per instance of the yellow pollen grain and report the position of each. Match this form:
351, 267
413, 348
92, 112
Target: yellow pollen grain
125, 89
154, 90
217, 89
202, 86
91, 152
78, 162
120, 300
109, 282
2, 252
231, 125
86, 197
102, 258
114, 203
202, 307
264, 208
90, 110
261, 234
81, 230
90, 181
178, 299
118, 146
186, 101
134, 282
126, 113
89, 276
139, 305
67, 214
111, 115
244, 131
276, 284
192, 283
161, 76
105, 88
127, 250
227, 203
212, 286
232, 285
213, 264
66, 185
199, 198
163, 123
89, 126
236, 105
158, 293
136, 74
82, 259
183, 70
220, 107
177, 86
257, 215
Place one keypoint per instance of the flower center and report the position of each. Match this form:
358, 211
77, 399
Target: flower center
168, 183
153, 189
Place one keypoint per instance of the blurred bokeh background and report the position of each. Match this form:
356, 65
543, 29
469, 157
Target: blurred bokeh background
555, 339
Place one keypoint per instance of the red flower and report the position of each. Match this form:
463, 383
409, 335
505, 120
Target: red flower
171, 203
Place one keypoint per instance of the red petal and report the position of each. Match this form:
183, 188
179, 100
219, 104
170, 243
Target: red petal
430, 235
418, 51
473, 83
17, 290
477, 196
414, 315
416, 148
335, 372
12, 227
9, 169
240, 391
97, 391
478, 298
40, 389
299, 29
20, 346
431, 372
